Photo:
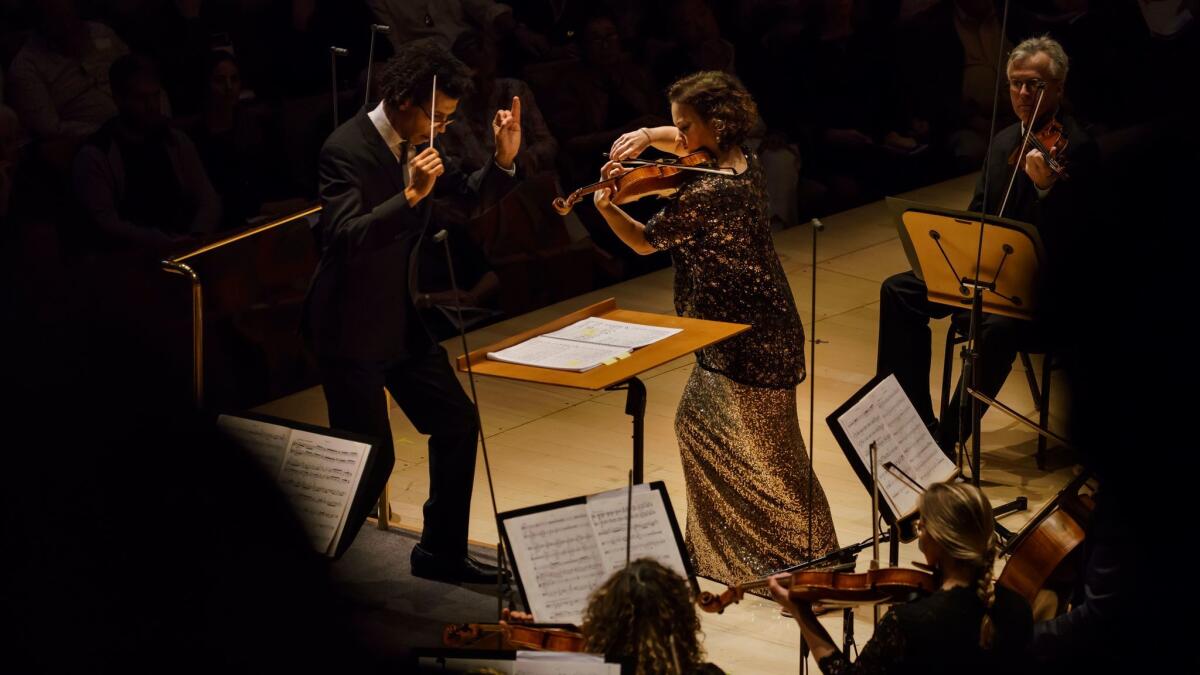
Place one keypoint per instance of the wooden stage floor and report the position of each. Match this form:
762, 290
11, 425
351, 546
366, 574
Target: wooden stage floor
547, 443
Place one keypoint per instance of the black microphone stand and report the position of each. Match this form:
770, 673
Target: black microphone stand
970, 355
376, 28
504, 585
334, 53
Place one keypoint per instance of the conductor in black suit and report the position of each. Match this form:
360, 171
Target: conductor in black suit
1058, 207
376, 173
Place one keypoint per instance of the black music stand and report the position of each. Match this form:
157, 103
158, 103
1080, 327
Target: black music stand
943, 246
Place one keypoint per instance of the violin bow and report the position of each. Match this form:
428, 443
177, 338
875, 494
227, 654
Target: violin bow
721, 170
1024, 144
432, 110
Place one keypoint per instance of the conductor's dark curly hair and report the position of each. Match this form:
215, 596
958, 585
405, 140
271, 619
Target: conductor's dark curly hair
722, 102
645, 613
409, 74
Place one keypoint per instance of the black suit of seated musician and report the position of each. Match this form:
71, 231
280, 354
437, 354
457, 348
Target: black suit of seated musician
360, 317
1056, 206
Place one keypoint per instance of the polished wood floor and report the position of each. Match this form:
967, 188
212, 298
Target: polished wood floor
547, 444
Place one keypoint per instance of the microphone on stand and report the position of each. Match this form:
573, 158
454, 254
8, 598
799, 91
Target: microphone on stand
334, 53
376, 28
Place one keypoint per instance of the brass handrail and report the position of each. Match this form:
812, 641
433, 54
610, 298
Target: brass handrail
176, 265
247, 233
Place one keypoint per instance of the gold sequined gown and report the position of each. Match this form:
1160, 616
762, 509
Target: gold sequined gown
750, 508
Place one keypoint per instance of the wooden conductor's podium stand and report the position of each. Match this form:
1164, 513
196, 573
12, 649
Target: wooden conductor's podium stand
696, 334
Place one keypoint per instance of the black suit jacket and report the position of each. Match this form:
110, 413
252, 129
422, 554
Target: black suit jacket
1063, 217
359, 302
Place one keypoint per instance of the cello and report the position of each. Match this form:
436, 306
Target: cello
1038, 553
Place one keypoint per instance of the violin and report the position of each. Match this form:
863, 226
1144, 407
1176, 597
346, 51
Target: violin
887, 585
658, 178
511, 637
1050, 137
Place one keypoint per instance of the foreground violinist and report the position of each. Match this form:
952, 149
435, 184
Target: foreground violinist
644, 615
968, 625
747, 475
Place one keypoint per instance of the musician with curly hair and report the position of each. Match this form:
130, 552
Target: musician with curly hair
754, 505
376, 173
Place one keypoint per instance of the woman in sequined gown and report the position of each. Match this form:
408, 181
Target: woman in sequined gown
750, 508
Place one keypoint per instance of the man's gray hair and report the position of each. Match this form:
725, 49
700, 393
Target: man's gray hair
1046, 45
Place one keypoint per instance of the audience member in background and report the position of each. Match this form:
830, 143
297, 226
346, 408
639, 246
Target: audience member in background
178, 35
58, 82
445, 20
947, 60
597, 99
865, 143
557, 20
230, 138
589, 104
468, 139
692, 43
141, 182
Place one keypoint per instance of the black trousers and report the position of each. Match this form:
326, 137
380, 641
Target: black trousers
426, 389
904, 348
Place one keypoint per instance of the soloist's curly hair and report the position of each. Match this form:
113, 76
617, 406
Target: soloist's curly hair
722, 102
409, 74
645, 613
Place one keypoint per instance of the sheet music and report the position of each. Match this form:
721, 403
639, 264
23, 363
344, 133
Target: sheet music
559, 560
548, 352
651, 535
614, 333
267, 443
886, 417
319, 476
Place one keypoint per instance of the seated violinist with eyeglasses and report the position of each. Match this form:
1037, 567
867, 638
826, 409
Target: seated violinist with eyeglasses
1041, 171
967, 625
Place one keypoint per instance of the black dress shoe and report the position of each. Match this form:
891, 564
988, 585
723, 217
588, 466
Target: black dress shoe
457, 569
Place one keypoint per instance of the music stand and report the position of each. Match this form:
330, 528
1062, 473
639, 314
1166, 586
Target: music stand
943, 246
622, 375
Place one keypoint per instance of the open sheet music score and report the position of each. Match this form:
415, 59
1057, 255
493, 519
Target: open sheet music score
883, 415
583, 345
318, 473
564, 551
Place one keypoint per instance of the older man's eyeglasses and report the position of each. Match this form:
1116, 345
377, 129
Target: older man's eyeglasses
1033, 84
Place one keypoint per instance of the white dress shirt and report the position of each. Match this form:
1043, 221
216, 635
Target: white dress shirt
394, 142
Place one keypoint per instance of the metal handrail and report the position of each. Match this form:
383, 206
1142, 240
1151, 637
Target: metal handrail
176, 265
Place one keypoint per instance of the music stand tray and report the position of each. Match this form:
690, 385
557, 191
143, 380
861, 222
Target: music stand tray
696, 334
